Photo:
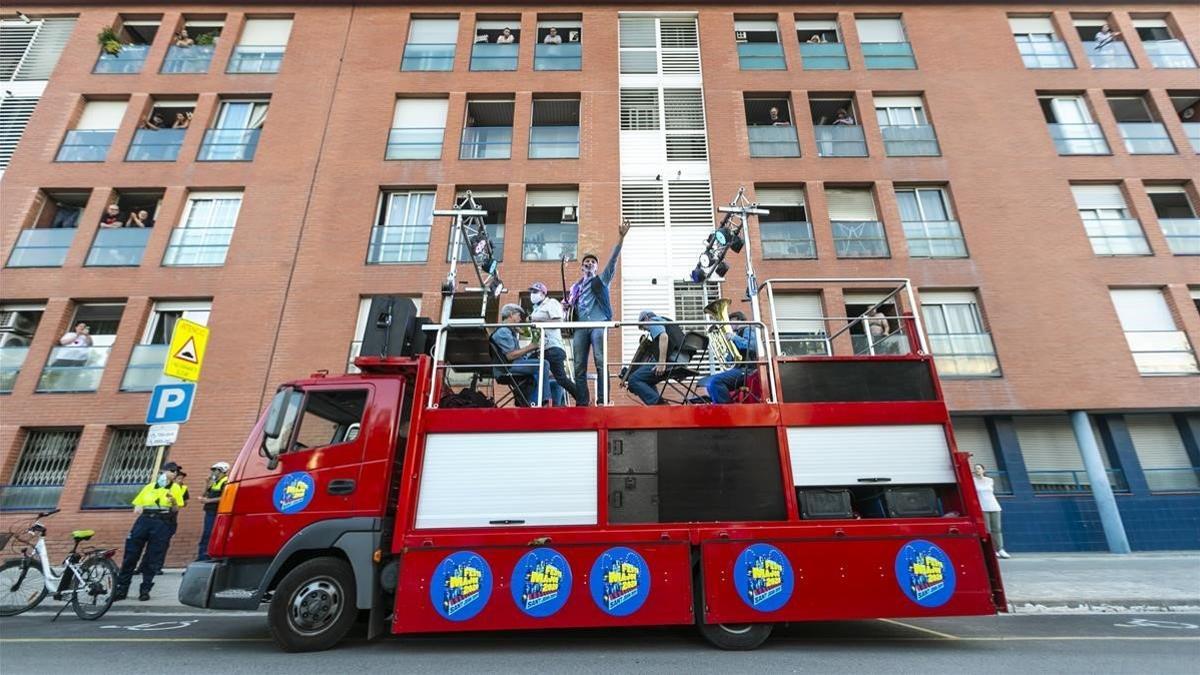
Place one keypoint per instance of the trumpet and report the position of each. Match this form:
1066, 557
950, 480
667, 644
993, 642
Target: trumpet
718, 310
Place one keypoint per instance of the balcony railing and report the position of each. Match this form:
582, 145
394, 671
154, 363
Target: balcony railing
145, 368
1192, 129
155, 145
934, 239
1050, 54
118, 247
110, 495
1069, 481
910, 140
964, 354
888, 55
761, 56
229, 145
773, 141
194, 59
1162, 352
86, 145
488, 56
894, 344
73, 369
549, 241
1078, 139
486, 143
553, 142
256, 59
398, 244
41, 247
129, 60
842, 140
415, 143
824, 56
1183, 235
1169, 54
859, 239
1116, 236
1182, 479
29, 497
1115, 54
567, 56
788, 239
11, 360
428, 57
198, 246
1146, 138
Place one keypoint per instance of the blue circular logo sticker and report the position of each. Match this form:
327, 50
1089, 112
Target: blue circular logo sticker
620, 581
461, 586
763, 577
293, 492
541, 582
925, 573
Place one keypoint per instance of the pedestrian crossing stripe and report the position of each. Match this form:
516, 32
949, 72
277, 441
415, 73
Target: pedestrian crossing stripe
188, 351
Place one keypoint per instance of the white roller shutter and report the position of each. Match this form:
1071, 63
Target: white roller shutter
552, 198
947, 298
854, 455
266, 32
1142, 309
1048, 444
850, 204
477, 480
1149, 23
433, 31
971, 436
1089, 23
482, 194
816, 24
103, 115
779, 196
1166, 190
420, 113
560, 23
898, 102
863, 297
1159, 446
793, 312
749, 25
1031, 25
1098, 196
511, 24
880, 30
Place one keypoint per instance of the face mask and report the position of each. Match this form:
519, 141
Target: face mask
537, 298
162, 480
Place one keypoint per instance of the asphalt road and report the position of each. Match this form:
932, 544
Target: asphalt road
127, 642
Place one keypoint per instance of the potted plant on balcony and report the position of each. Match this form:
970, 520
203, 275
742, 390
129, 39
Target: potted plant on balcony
109, 40
206, 40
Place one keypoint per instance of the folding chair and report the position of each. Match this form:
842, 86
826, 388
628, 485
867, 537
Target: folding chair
681, 377
751, 390
502, 374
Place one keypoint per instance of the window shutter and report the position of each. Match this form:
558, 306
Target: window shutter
799, 313
15, 38
1031, 25
690, 203
637, 32
45, 47
14, 116
433, 31
266, 32
1149, 23
754, 25
971, 435
1098, 196
816, 24
779, 196
1048, 444
1165, 190
680, 45
683, 109
639, 110
1157, 442
1142, 309
420, 113
881, 30
898, 102
948, 298
643, 204
850, 204
102, 115
552, 198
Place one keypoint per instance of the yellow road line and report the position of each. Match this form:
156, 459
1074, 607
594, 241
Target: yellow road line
944, 636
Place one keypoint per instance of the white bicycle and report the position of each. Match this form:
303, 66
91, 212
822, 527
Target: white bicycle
86, 578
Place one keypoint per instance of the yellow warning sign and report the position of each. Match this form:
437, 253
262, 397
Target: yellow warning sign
187, 350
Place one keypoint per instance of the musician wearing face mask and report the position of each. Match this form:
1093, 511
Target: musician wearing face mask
546, 308
590, 299
721, 384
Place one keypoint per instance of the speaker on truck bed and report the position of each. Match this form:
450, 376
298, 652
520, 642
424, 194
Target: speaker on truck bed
393, 328
822, 503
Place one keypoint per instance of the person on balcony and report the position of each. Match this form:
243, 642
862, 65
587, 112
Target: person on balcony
553, 38
182, 39
112, 216
546, 308
1104, 36
155, 122
506, 37
75, 347
844, 118
589, 298
182, 120
776, 119
140, 218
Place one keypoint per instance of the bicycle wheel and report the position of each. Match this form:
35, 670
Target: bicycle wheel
22, 585
93, 593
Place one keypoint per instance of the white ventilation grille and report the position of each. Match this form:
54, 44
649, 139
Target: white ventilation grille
15, 38
47, 46
14, 116
690, 202
687, 148
640, 110
679, 33
642, 203
684, 109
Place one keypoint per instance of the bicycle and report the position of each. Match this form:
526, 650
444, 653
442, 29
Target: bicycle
88, 578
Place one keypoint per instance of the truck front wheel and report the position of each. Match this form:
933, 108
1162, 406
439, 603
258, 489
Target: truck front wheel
313, 606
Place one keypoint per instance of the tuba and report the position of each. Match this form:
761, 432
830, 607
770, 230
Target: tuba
718, 310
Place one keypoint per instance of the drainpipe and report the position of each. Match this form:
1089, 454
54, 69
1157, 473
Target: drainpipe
1106, 503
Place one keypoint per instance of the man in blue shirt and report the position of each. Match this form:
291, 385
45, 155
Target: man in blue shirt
520, 361
643, 376
720, 384
590, 299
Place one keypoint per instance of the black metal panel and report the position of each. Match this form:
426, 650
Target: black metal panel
862, 380
390, 326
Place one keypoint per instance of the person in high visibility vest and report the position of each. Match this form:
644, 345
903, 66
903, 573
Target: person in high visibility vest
147, 542
218, 478
180, 490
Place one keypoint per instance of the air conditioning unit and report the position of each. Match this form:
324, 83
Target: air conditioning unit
9, 339
17, 322
569, 214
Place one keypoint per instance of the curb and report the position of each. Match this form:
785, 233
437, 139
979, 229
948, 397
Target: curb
1104, 606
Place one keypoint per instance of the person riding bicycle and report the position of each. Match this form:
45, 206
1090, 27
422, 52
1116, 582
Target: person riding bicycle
151, 533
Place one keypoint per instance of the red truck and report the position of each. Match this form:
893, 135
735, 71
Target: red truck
839, 495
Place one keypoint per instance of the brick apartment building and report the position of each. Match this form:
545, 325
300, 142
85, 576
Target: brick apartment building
1037, 185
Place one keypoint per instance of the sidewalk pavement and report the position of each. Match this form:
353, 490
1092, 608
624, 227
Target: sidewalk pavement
1033, 582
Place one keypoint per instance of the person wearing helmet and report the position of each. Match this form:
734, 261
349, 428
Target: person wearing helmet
218, 477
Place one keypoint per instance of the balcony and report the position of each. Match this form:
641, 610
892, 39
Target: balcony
1068, 481
549, 241
567, 56
915, 140
842, 140
1116, 236
824, 56
486, 143
934, 239
110, 495
1078, 139
1169, 54
415, 143
428, 57
1182, 234
229, 145
772, 141
888, 56
761, 56
1161, 352
964, 355
1192, 129
398, 244
552, 142
73, 369
118, 247
198, 246
128, 61
1115, 54
11, 360
859, 239
1146, 138
194, 59
1181, 479
895, 344
1050, 54
155, 145
256, 59
487, 56
29, 497
41, 248
145, 368
788, 240
86, 145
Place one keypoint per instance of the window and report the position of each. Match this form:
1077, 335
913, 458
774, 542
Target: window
260, 48
418, 127
29, 51
1158, 347
234, 136
1071, 126
1143, 133
1176, 217
430, 44
857, 232
496, 44
1104, 49
192, 47
821, 45
559, 44
121, 243
128, 466
880, 336
758, 45
1038, 43
837, 128
555, 130
666, 45
786, 231
884, 43
1187, 107
770, 128
1162, 454
640, 110
1164, 49
126, 52
328, 417
929, 224
1052, 458
160, 136
487, 133
41, 470
495, 202
799, 325
18, 324
551, 224
207, 230
360, 325
906, 130
1109, 226
961, 344
971, 435
77, 362
683, 118
146, 362
93, 133
401, 232
47, 242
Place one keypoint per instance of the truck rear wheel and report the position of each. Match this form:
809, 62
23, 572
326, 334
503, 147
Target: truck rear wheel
313, 606
730, 637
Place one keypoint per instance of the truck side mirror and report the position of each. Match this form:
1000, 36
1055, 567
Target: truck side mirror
276, 419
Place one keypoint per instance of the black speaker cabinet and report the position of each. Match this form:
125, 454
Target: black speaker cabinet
824, 503
390, 328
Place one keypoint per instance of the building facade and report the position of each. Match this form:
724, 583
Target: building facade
273, 167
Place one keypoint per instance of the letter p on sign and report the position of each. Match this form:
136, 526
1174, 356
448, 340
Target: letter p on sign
171, 403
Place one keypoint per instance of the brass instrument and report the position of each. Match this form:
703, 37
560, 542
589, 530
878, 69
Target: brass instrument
718, 311
647, 352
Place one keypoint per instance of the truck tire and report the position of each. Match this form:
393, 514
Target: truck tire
730, 637
313, 606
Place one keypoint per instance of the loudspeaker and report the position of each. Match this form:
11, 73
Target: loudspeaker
820, 503
390, 328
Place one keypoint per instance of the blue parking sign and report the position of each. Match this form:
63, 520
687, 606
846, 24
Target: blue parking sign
171, 403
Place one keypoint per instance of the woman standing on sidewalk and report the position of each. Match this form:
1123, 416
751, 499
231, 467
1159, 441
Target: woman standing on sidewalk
986, 488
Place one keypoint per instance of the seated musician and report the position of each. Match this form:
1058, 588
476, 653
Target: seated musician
720, 385
652, 368
521, 362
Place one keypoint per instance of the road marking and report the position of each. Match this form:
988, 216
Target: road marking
857, 640
1155, 623
944, 636
145, 639
159, 625
217, 614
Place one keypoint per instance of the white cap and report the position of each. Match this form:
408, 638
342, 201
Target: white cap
223, 466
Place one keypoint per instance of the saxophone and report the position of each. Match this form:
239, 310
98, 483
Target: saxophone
718, 310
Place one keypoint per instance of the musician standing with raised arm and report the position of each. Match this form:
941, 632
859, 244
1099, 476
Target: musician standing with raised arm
591, 301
